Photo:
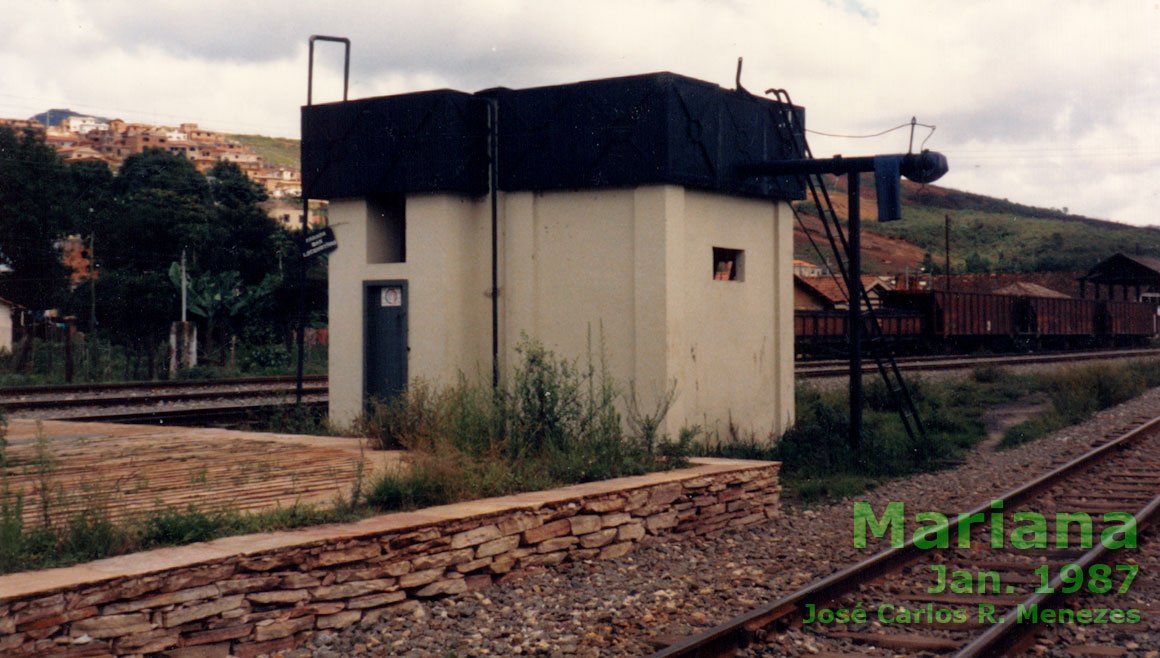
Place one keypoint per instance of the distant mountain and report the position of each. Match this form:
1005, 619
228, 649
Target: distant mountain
57, 116
986, 234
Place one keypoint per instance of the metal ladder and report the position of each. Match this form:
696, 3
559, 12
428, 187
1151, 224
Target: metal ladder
876, 344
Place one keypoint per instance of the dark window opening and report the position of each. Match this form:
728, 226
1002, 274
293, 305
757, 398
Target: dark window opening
728, 264
386, 229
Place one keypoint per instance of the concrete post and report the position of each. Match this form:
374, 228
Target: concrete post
182, 347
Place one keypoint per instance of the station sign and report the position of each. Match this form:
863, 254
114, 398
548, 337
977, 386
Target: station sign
319, 242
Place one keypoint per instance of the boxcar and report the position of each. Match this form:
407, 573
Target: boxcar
958, 314
1048, 317
1129, 320
824, 332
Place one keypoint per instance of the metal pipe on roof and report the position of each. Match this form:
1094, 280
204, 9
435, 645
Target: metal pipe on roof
493, 189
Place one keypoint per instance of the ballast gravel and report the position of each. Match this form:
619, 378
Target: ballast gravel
674, 587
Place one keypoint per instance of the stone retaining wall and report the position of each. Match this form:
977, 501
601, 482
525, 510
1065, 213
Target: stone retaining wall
255, 594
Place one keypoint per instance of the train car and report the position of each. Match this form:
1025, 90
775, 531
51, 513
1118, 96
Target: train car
1127, 323
1057, 322
947, 321
959, 320
823, 333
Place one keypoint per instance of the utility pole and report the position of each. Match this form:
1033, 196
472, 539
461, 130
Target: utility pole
184, 283
947, 244
92, 286
854, 295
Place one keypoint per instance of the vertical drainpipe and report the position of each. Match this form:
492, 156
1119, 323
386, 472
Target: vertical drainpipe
493, 188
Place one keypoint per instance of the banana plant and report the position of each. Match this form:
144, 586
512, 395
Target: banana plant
218, 296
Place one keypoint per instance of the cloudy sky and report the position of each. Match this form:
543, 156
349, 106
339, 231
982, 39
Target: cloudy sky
1052, 103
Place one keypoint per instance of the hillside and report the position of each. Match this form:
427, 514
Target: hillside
986, 234
278, 151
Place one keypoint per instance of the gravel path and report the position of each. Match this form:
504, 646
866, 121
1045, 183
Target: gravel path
668, 589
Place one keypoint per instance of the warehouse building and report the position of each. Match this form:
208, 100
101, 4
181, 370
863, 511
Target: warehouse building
614, 210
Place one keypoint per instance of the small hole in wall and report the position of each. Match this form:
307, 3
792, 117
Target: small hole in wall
728, 264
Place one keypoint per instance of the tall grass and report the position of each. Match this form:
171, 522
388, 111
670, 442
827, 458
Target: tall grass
556, 422
1079, 392
819, 461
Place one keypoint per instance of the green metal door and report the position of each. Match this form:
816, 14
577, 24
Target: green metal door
385, 339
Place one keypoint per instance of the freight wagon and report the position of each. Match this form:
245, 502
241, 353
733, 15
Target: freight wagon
943, 321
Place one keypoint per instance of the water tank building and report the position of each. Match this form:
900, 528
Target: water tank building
618, 215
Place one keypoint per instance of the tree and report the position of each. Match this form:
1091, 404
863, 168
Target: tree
977, 264
931, 267
222, 298
136, 309
159, 205
245, 231
157, 169
35, 210
162, 206
232, 188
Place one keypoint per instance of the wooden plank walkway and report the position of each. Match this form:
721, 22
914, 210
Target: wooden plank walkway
122, 470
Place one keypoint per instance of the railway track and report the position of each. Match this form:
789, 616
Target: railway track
841, 368
991, 597
194, 401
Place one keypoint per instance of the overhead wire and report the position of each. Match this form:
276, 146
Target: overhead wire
877, 134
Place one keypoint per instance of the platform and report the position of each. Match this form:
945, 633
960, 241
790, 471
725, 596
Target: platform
121, 470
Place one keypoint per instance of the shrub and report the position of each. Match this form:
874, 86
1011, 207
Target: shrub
202, 372
1080, 392
410, 421
260, 358
987, 374
1032, 429
176, 526
1148, 371
295, 419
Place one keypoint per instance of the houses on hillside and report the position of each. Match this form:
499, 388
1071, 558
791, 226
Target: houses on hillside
89, 138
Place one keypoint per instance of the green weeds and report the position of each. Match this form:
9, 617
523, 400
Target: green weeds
557, 422
819, 462
1078, 393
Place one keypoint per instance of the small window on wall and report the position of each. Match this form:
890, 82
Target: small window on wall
386, 229
728, 264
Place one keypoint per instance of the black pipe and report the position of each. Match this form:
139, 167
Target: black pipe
493, 185
925, 167
310, 66
854, 295
300, 333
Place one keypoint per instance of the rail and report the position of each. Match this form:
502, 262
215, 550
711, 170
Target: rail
997, 639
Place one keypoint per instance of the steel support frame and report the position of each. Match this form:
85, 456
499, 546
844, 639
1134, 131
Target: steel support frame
852, 168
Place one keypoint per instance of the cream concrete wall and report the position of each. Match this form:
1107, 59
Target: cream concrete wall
567, 274
630, 267
448, 314
732, 348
